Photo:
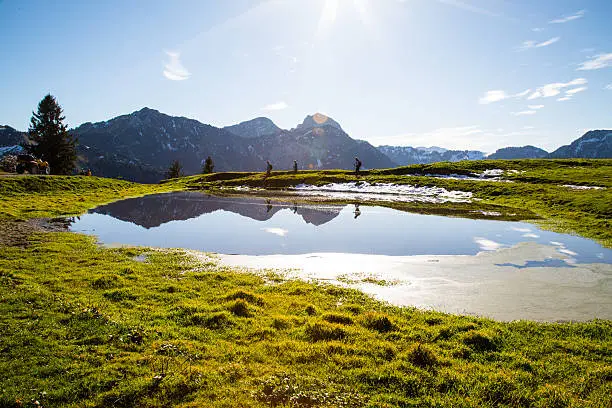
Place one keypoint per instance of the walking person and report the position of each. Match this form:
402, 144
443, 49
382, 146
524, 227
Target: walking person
295, 166
357, 166
268, 168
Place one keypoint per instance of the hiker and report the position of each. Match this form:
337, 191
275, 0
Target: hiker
357, 211
268, 168
295, 166
357, 166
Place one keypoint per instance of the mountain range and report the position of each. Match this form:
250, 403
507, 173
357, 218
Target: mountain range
140, 146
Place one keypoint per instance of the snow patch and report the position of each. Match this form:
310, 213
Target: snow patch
574, 187
492, 173
384, 192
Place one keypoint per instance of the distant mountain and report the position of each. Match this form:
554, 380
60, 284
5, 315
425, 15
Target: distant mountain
318, 120
254, 128
10, 136
405, 155
594, 144
432, 149
140, 146
524, 152
318, 142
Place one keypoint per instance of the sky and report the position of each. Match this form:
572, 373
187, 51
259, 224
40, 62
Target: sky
460, 74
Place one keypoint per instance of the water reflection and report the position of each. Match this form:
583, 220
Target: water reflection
264, 226
157, 209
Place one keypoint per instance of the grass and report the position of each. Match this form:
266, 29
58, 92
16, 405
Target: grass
84, 325
88, 326
58, 196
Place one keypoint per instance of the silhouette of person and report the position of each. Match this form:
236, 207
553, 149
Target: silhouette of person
268, 168
357, 211
295, 166
295, 208
268, 206
357, 166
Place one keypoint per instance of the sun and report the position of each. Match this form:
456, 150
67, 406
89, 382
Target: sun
330, 10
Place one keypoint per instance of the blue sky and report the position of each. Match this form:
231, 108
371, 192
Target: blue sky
468, 74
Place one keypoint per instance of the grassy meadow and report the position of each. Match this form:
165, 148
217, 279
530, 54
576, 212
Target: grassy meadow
88, 326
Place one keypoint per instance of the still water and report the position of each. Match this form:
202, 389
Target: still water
257, 226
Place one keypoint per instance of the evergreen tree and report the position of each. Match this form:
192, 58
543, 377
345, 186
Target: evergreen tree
50, 140
175, 170
208, 165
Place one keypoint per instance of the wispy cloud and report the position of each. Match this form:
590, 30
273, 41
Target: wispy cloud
608, 87
554, 89
535, 107
524, 113
469, 7
522, 94
174, 69
537, 29
276, 106
493, 96
575, 16
598, 62
548, 42
499, 95
534, 44
575, 90
571, 92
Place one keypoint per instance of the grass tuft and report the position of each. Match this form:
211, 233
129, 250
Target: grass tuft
378, 322
323, 331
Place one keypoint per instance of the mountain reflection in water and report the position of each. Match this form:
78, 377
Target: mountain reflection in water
157, 209
265, 226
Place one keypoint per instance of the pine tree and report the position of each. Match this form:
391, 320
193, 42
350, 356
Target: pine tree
50, 138
175, 170
208, 165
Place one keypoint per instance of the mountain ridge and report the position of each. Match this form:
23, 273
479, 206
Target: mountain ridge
139, 146
594, 144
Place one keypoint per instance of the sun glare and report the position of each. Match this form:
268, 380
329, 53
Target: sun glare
330, 10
